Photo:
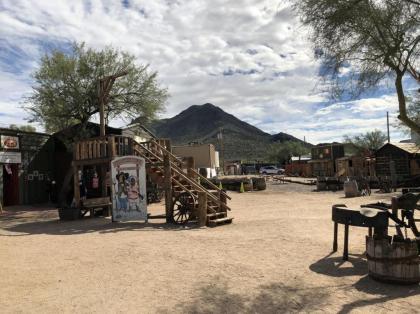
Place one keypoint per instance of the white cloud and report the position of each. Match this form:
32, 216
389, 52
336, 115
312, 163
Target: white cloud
192, 44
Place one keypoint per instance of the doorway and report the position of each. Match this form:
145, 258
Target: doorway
10, 184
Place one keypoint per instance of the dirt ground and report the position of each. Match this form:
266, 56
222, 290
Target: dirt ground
275, 257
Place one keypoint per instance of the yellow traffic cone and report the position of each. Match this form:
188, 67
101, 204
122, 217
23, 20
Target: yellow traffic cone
242, 189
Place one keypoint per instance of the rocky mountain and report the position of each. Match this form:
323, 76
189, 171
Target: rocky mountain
202, 124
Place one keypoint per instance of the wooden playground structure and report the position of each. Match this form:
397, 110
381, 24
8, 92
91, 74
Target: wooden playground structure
186, 198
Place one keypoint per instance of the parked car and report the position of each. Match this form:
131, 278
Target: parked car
271, 170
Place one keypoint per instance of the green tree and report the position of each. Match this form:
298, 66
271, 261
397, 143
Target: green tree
375, 39
66, 87
25, 128
367, 142
283, 152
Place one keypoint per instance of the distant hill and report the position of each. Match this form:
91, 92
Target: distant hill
201, 124
284, 137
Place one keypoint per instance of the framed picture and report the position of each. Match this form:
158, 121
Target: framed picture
30, 177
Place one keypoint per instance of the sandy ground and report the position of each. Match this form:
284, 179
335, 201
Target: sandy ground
275, 257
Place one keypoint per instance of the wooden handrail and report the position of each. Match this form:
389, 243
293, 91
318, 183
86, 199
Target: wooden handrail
183, 187
202, 177
211, 183
189, 180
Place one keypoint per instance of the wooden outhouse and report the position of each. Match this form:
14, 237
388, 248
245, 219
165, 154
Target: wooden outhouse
401, 159
352, 166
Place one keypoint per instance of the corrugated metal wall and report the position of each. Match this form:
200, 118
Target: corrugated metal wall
36, 168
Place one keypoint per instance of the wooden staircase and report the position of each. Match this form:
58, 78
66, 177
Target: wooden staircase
183, 185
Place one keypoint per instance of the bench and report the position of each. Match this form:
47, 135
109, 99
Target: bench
91, 204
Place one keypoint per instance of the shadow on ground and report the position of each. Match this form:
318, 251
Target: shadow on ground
382, 293
336, 267
357, 266
20, 227
272, 298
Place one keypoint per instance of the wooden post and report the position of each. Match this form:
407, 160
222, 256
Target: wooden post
102, 174
190, 166
101, 108
105, 86
76, 154
202, 209
168, 145
393, 172
168, 187
335, 245
346, 242
76, 186
111, 147
394, 208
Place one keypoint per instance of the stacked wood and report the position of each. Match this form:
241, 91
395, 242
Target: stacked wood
233, 183
395, 262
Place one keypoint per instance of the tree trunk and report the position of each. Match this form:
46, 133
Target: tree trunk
403, 106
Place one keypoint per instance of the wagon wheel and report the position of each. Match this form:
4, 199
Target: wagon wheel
182, 208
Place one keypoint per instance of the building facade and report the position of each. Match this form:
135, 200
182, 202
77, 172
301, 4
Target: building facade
26, 167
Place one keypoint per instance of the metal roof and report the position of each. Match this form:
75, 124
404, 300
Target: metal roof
411, 148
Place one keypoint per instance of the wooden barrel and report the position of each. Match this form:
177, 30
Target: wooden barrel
396, 262
350, 188
259, 183
247, 185
321, 185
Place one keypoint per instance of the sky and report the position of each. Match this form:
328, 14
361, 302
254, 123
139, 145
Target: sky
251, 58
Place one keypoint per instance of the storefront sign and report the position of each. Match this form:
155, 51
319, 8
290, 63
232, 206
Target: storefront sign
9, 142
10, 158
129, 201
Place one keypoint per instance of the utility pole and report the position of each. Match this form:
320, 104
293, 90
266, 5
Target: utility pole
105, 85
222, 150
387, 125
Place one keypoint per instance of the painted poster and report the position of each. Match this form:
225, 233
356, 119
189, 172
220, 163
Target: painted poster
129, 200
9, 142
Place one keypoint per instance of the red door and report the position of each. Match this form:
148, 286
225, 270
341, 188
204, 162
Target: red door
10, 185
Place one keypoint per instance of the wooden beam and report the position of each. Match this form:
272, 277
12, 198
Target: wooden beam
103, 169
101, 107
168, 187
111, 147
89, 162
76, 185
202, 209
